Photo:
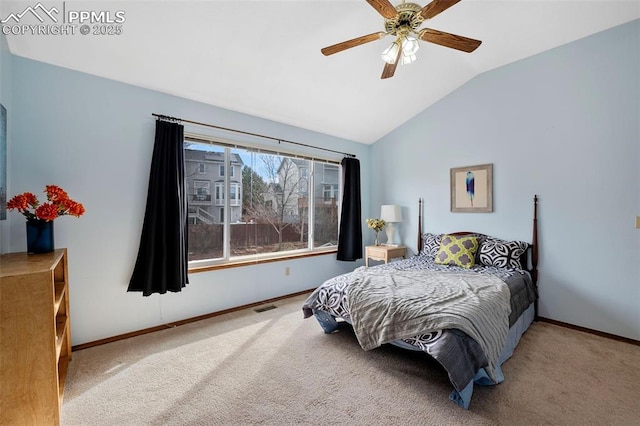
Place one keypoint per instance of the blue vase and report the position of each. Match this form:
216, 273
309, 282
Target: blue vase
39, 236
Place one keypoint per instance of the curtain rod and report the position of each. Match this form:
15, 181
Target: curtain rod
169, 118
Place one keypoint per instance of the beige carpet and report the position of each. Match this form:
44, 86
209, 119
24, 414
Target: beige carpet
276, 368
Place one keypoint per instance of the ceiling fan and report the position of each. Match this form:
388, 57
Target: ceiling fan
403, 22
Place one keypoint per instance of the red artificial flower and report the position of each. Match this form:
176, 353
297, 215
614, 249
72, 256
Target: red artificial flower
31, 199
55, 193
22, 202
47, 211
19, 202
72, 207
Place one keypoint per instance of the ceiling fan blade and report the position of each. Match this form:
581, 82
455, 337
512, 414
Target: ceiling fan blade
390, 69
449, 40
330, 50
384, 8
435, 7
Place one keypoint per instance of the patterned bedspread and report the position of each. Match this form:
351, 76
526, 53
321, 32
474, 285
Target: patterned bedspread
459, 354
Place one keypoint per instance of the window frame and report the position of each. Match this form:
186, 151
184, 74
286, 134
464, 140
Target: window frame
227, 260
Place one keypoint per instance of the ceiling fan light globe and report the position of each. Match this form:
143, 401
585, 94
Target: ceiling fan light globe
407, 59
390, 54
410, 45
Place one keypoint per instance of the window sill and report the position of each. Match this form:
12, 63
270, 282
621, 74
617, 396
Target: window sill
251, 262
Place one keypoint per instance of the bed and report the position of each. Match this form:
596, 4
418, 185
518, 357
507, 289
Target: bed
465, 299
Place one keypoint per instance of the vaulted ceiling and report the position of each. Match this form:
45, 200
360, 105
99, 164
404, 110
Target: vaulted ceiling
263, 57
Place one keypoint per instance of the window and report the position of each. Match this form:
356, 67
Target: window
234, 194
202, 168
220, 194
221, 171
201, 191
329, 192
272, 207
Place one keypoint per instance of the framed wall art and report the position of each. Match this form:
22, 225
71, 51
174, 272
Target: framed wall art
472, 189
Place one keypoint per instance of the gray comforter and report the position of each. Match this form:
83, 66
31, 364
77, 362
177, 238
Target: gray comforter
389, 305
454, 349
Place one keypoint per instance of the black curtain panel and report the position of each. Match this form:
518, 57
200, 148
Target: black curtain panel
161, 265
350, 234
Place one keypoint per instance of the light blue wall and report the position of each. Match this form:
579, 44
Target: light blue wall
94, 137
6, 101
563, 124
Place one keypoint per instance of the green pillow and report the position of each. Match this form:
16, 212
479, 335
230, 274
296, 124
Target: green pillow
460, 251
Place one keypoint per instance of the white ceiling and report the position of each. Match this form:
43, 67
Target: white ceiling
263, 57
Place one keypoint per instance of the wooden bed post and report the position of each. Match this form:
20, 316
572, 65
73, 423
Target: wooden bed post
419, 225
534, 252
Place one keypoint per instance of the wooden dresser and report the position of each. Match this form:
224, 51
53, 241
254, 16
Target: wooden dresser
35, 340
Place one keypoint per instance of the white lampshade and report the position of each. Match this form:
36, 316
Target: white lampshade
410, 45
391, 53
408, 59
391, 214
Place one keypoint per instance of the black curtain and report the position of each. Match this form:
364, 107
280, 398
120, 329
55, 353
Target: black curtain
161, 265
350, 234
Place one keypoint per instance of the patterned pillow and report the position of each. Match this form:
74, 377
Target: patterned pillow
431, 244
459, 251
503, 254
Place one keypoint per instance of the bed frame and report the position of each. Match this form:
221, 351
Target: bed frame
530, 257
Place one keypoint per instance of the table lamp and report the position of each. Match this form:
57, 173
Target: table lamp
391, 214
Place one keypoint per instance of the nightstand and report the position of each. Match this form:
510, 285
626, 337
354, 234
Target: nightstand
384, 253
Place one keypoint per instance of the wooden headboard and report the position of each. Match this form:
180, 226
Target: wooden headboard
533, 247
